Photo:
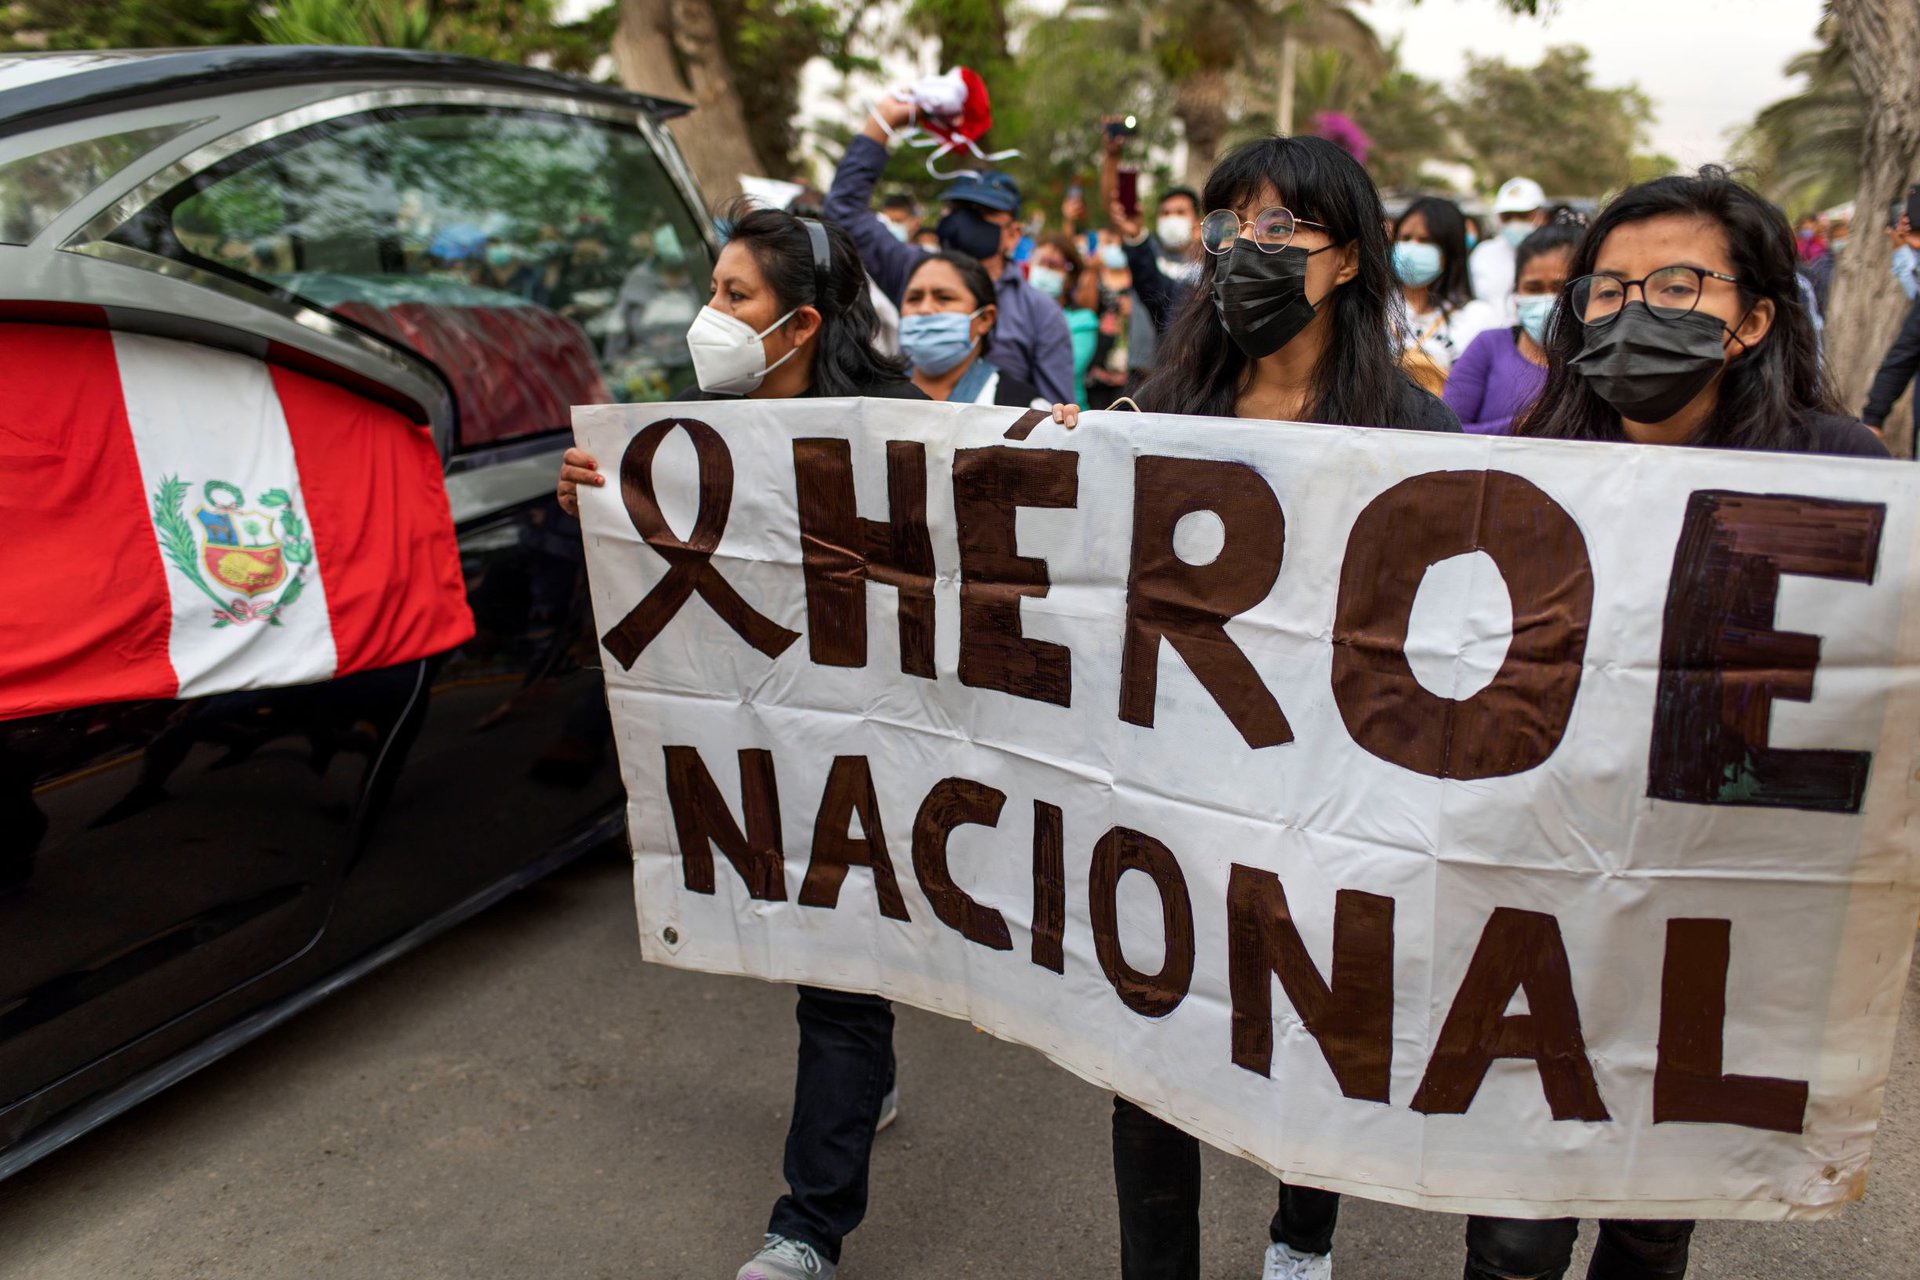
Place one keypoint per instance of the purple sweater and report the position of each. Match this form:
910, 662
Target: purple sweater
1492, 383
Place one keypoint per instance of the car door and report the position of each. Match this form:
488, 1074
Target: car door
540, 256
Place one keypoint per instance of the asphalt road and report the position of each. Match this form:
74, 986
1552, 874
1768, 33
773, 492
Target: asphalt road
523, 1098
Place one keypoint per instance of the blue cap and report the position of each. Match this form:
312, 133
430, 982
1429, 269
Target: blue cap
993, 189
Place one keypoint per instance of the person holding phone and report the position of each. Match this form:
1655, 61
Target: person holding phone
789, 318
1163, 260
1300, 280
981, 220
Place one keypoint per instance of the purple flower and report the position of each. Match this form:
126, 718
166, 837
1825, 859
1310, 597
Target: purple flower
1342, 130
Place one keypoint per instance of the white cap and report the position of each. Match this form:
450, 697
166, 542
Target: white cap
1519, 195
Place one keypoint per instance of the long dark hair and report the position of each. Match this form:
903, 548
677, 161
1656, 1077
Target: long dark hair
1357, 380
1447, 229
845, 361
1766, 393
975, 278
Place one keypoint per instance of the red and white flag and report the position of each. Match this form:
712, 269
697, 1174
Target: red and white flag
180, 521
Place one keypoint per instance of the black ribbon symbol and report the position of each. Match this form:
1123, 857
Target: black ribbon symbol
691, 568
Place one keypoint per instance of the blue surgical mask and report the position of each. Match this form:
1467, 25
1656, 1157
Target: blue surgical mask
1048, 281
1515, 233
1533, 312
1415, 263
939, 342
1472, 241
1113, 257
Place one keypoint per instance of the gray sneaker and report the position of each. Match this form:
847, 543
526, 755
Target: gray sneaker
782, 1258
889, 1109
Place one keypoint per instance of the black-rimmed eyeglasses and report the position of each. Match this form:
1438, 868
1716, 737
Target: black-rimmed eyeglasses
1670, 292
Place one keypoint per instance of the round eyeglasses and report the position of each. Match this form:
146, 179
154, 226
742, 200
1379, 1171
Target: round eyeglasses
1272, 229
1670, 292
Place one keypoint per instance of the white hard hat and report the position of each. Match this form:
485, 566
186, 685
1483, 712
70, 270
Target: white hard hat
1519, 195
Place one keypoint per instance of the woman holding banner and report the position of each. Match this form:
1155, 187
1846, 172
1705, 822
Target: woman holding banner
1290, 321
790, 318
1682, 325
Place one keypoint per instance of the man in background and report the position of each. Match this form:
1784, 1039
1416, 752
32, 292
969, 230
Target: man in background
1521, 206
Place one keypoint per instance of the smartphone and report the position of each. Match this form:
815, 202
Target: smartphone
1128, 190
1076, 192
1126, 128
1913, 206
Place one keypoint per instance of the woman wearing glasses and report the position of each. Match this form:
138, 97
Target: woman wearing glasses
1683, 325
1289, 321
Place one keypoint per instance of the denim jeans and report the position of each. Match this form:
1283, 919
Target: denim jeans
1519, 1249
845, 1069
1156, 1174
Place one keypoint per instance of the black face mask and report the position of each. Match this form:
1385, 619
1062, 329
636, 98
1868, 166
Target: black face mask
1261, 298
963, 230
1647, 368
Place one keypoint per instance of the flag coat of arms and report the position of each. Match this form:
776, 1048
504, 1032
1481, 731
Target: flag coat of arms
183, 521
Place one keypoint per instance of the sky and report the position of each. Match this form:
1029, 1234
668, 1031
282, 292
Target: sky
1708, 65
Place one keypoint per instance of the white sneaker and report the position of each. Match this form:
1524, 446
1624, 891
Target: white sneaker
782, 1258
889, 1109
1282, 1263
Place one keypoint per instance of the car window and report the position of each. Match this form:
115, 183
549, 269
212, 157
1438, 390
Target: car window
36, 189
541, 260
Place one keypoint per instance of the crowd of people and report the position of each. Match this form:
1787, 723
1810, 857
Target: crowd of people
1684, 312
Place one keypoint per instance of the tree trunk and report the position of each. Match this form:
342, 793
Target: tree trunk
671, 48
1883, 40
1200, 104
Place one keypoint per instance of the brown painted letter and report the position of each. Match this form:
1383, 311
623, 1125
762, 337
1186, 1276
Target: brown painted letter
1513, 724
700, 815
1049, 888
849, 791
1688, 1084
1352, 1018
989, 486
840, 552
1518, 949
1188, 604
1153, 995
1722, 664
956, 802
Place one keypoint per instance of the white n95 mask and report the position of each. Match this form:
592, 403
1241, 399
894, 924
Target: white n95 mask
727, 356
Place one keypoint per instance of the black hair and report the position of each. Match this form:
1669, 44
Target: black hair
1358, 379
974, 277
898, 200
1447, 229
845, 361
1556, 236
1767, 392
1174, 193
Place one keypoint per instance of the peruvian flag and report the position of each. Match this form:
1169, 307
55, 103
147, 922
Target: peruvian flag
181, 521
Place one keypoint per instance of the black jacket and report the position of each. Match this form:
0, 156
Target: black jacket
1896, 371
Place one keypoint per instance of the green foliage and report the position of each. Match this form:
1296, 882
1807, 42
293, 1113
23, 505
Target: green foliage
767, 44
391, 24
510, 30
971, 33
1550, 122
125, 24
1804, 150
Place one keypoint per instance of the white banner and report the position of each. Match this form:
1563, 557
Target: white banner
1479, 824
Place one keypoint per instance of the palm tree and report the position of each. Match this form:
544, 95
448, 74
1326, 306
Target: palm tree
1805, 149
